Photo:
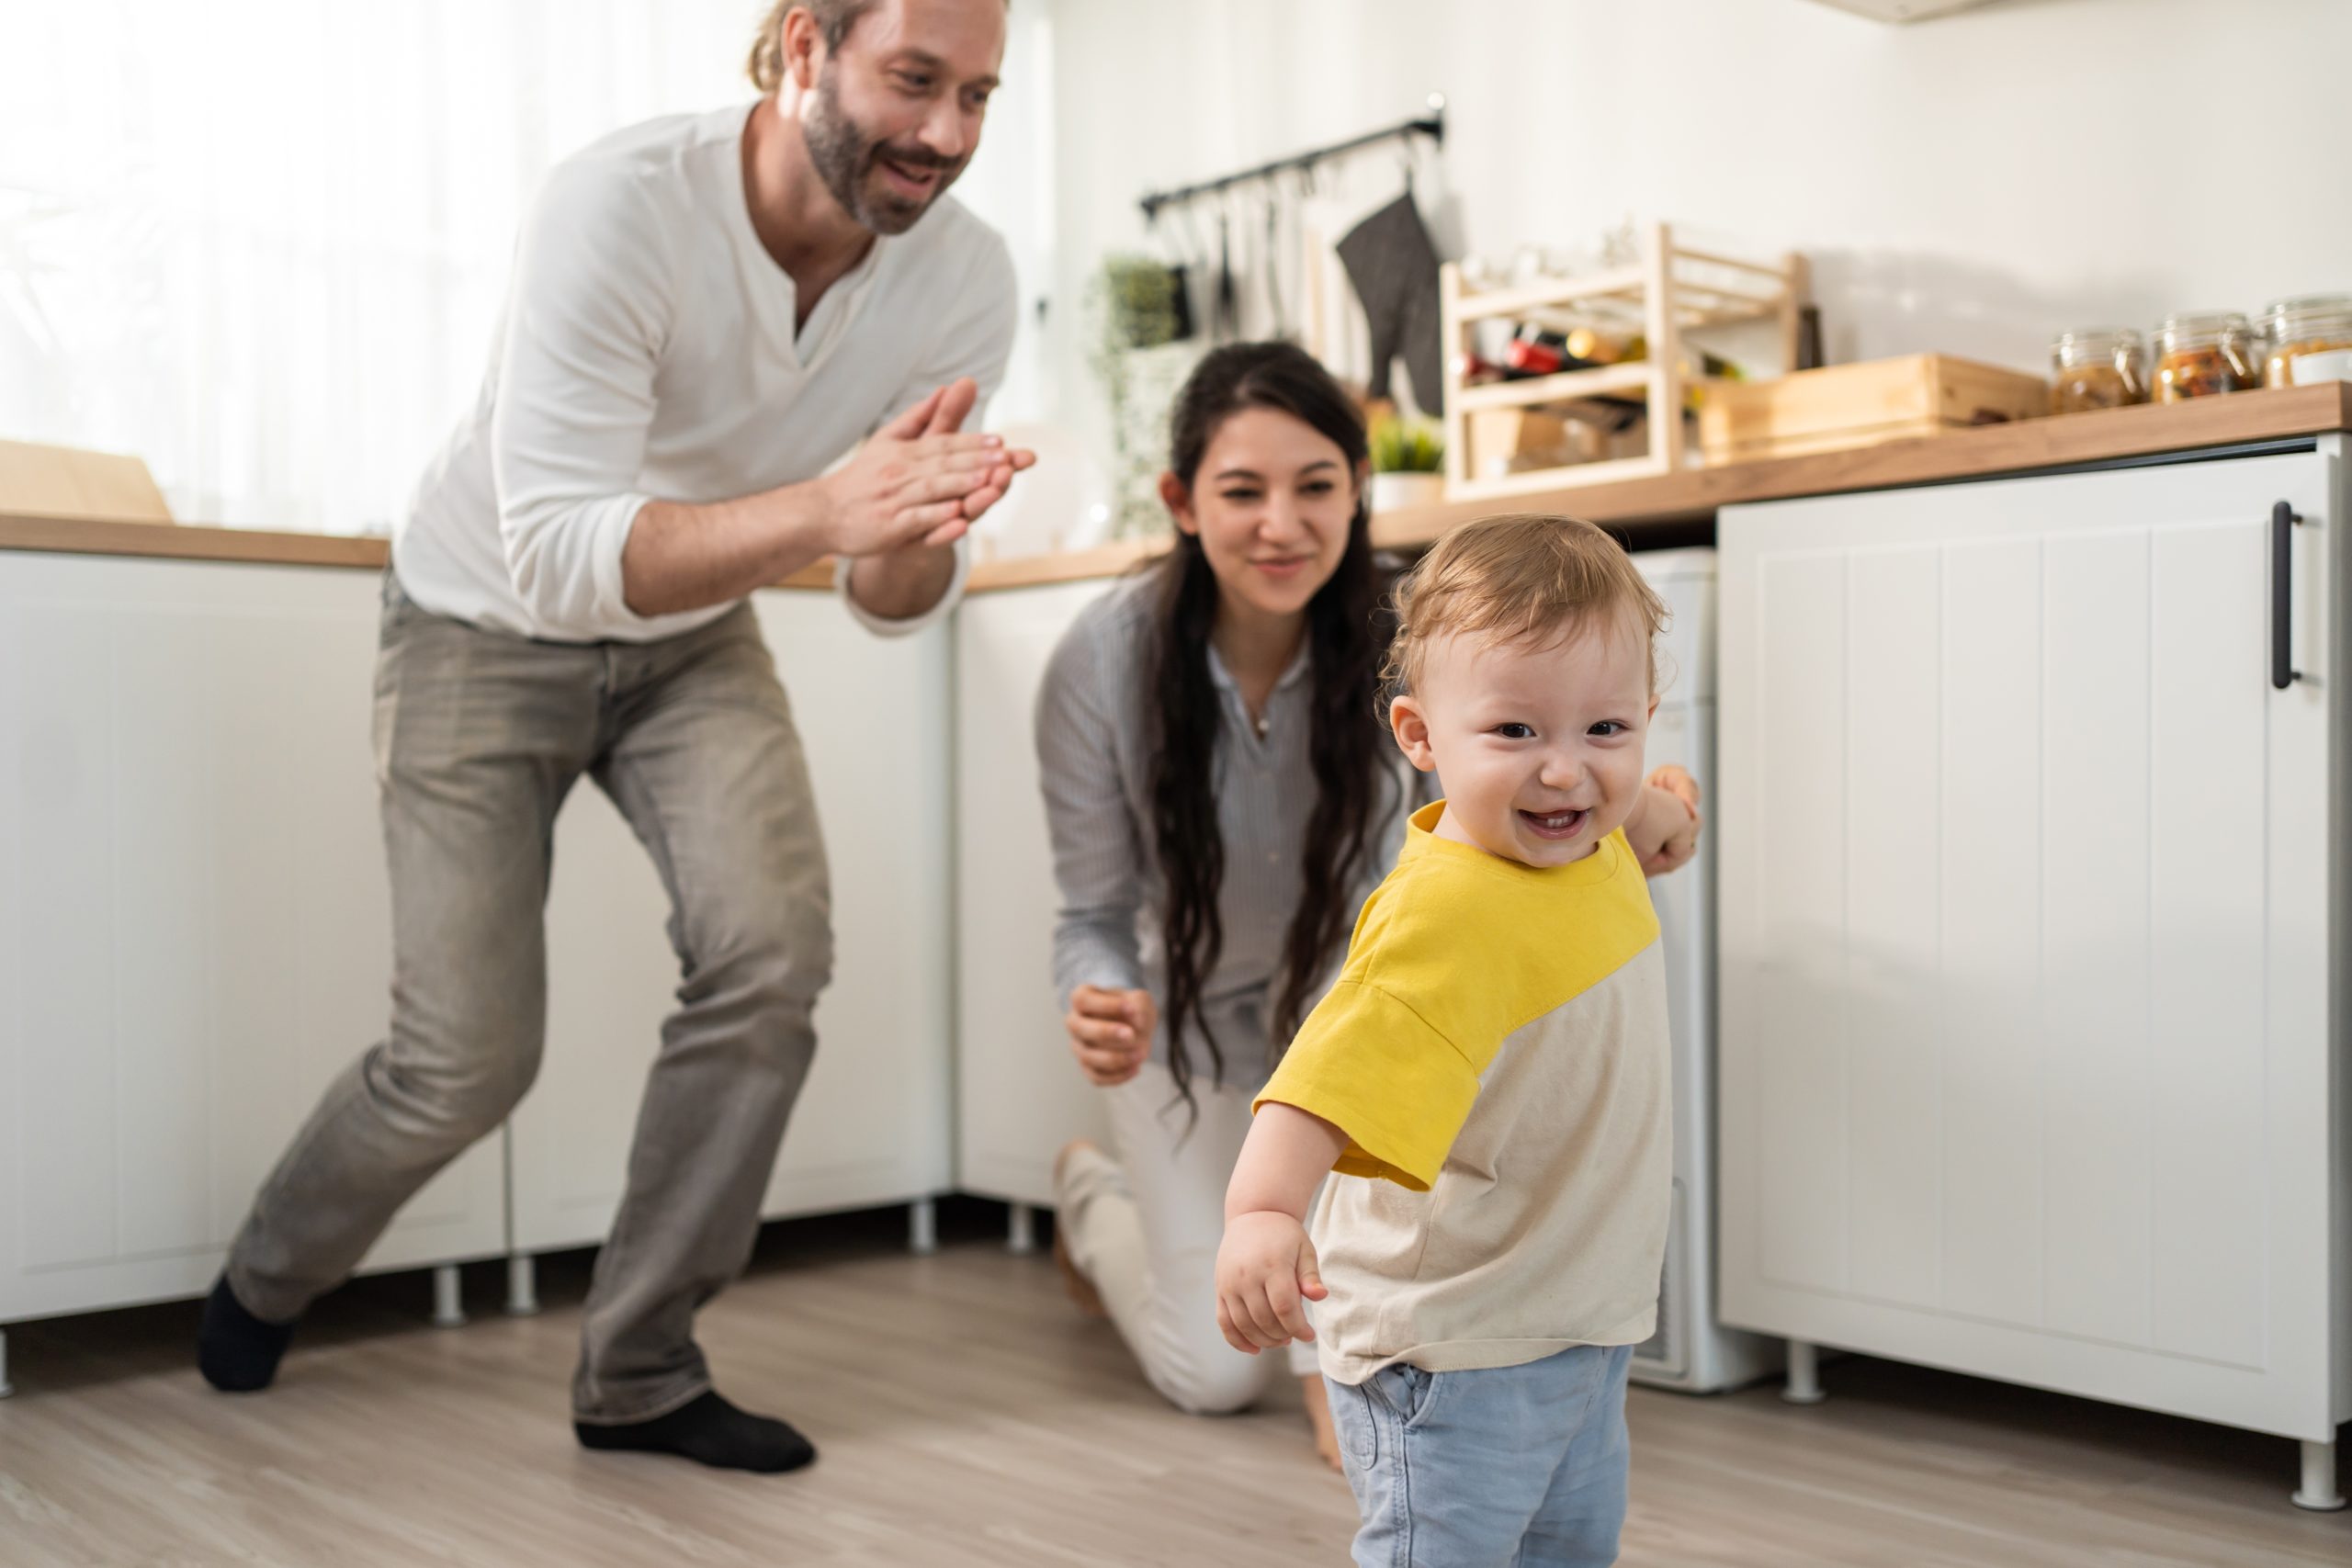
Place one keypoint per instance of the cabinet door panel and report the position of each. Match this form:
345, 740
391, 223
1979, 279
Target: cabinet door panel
2208, 915
194, 922
1020, 1096
1801, 960
2026, 1063
2095, 914
876, 1120
1895, 600
1990, 826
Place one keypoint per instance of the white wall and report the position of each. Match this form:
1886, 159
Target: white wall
1971, 185
262, 242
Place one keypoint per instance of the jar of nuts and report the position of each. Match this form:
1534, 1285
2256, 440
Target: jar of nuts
2203, 353
2104, 367
2310, 340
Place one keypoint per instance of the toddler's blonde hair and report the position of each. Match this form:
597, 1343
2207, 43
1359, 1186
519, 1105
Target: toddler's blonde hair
1526, 577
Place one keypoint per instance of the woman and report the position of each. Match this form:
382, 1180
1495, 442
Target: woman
1222, 794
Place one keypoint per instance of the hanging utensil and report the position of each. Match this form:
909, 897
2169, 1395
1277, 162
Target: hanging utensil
1229, 301
1277, 326
1180, 288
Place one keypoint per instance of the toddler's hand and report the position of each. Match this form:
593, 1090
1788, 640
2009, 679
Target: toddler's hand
1676, 780
1670, 836
1264, 1267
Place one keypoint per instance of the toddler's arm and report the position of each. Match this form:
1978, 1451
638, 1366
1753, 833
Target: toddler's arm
1266, 1264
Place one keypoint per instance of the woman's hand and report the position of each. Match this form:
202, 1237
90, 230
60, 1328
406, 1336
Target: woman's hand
1109, 1033
1670, 822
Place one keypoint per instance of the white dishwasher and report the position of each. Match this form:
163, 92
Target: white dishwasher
1691, 1350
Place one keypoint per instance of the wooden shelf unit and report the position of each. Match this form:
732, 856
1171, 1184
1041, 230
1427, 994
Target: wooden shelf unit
1673, 291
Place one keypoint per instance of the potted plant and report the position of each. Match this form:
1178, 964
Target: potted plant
1408, 463
1138, 295
1141, 362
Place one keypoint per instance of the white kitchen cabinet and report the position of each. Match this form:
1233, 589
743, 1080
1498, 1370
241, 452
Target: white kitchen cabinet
1019, 1094
195, 928
873, 1123
2032, 885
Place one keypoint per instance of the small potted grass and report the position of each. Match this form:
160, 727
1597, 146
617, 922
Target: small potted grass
1408, 463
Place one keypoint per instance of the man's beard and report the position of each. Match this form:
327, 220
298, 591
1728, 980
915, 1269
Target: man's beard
845, 159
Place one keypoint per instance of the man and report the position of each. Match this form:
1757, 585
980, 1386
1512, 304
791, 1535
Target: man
707, 310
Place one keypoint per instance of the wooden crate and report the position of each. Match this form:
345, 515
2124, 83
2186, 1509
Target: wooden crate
66, 481
1671, 292
1860, 405
1505, 440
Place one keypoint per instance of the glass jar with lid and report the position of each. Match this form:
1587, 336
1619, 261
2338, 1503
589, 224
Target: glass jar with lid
2202, 353
2310, 340
2104, 367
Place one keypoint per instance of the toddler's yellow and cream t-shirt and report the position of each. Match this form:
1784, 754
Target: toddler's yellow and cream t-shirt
1496, 1052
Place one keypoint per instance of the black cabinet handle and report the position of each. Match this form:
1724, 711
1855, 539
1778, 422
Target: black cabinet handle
2283, 673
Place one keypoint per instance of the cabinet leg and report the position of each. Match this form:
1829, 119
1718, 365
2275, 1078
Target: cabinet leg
922, 1227
1804, 1386
2318, 1491
6, 1388
1021, 1231
449, 1301
522, 1285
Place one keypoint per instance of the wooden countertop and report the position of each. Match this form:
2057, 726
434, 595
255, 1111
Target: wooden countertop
252, 546
1693, 495
2063, 441
189, 541
1673, 499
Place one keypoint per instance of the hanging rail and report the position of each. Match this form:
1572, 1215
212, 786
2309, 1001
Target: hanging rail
1431, 125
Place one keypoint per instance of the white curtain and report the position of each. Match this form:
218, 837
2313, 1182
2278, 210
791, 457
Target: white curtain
262, 243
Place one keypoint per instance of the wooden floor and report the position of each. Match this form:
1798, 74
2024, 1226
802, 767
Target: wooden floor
966, 1416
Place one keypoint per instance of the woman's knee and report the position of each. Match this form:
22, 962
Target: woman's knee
1215, 1379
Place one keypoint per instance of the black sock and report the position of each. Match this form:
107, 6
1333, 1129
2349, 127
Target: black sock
236, 1352
709, 1431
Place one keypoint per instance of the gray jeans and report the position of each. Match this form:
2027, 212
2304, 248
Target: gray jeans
479, 737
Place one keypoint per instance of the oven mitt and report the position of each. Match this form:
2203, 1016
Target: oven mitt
1392, 267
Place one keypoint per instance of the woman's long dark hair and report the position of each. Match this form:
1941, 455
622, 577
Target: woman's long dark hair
1346, 742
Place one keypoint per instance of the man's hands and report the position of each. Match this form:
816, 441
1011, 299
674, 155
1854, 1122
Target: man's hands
1109, 1033
915, 486
920, 480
